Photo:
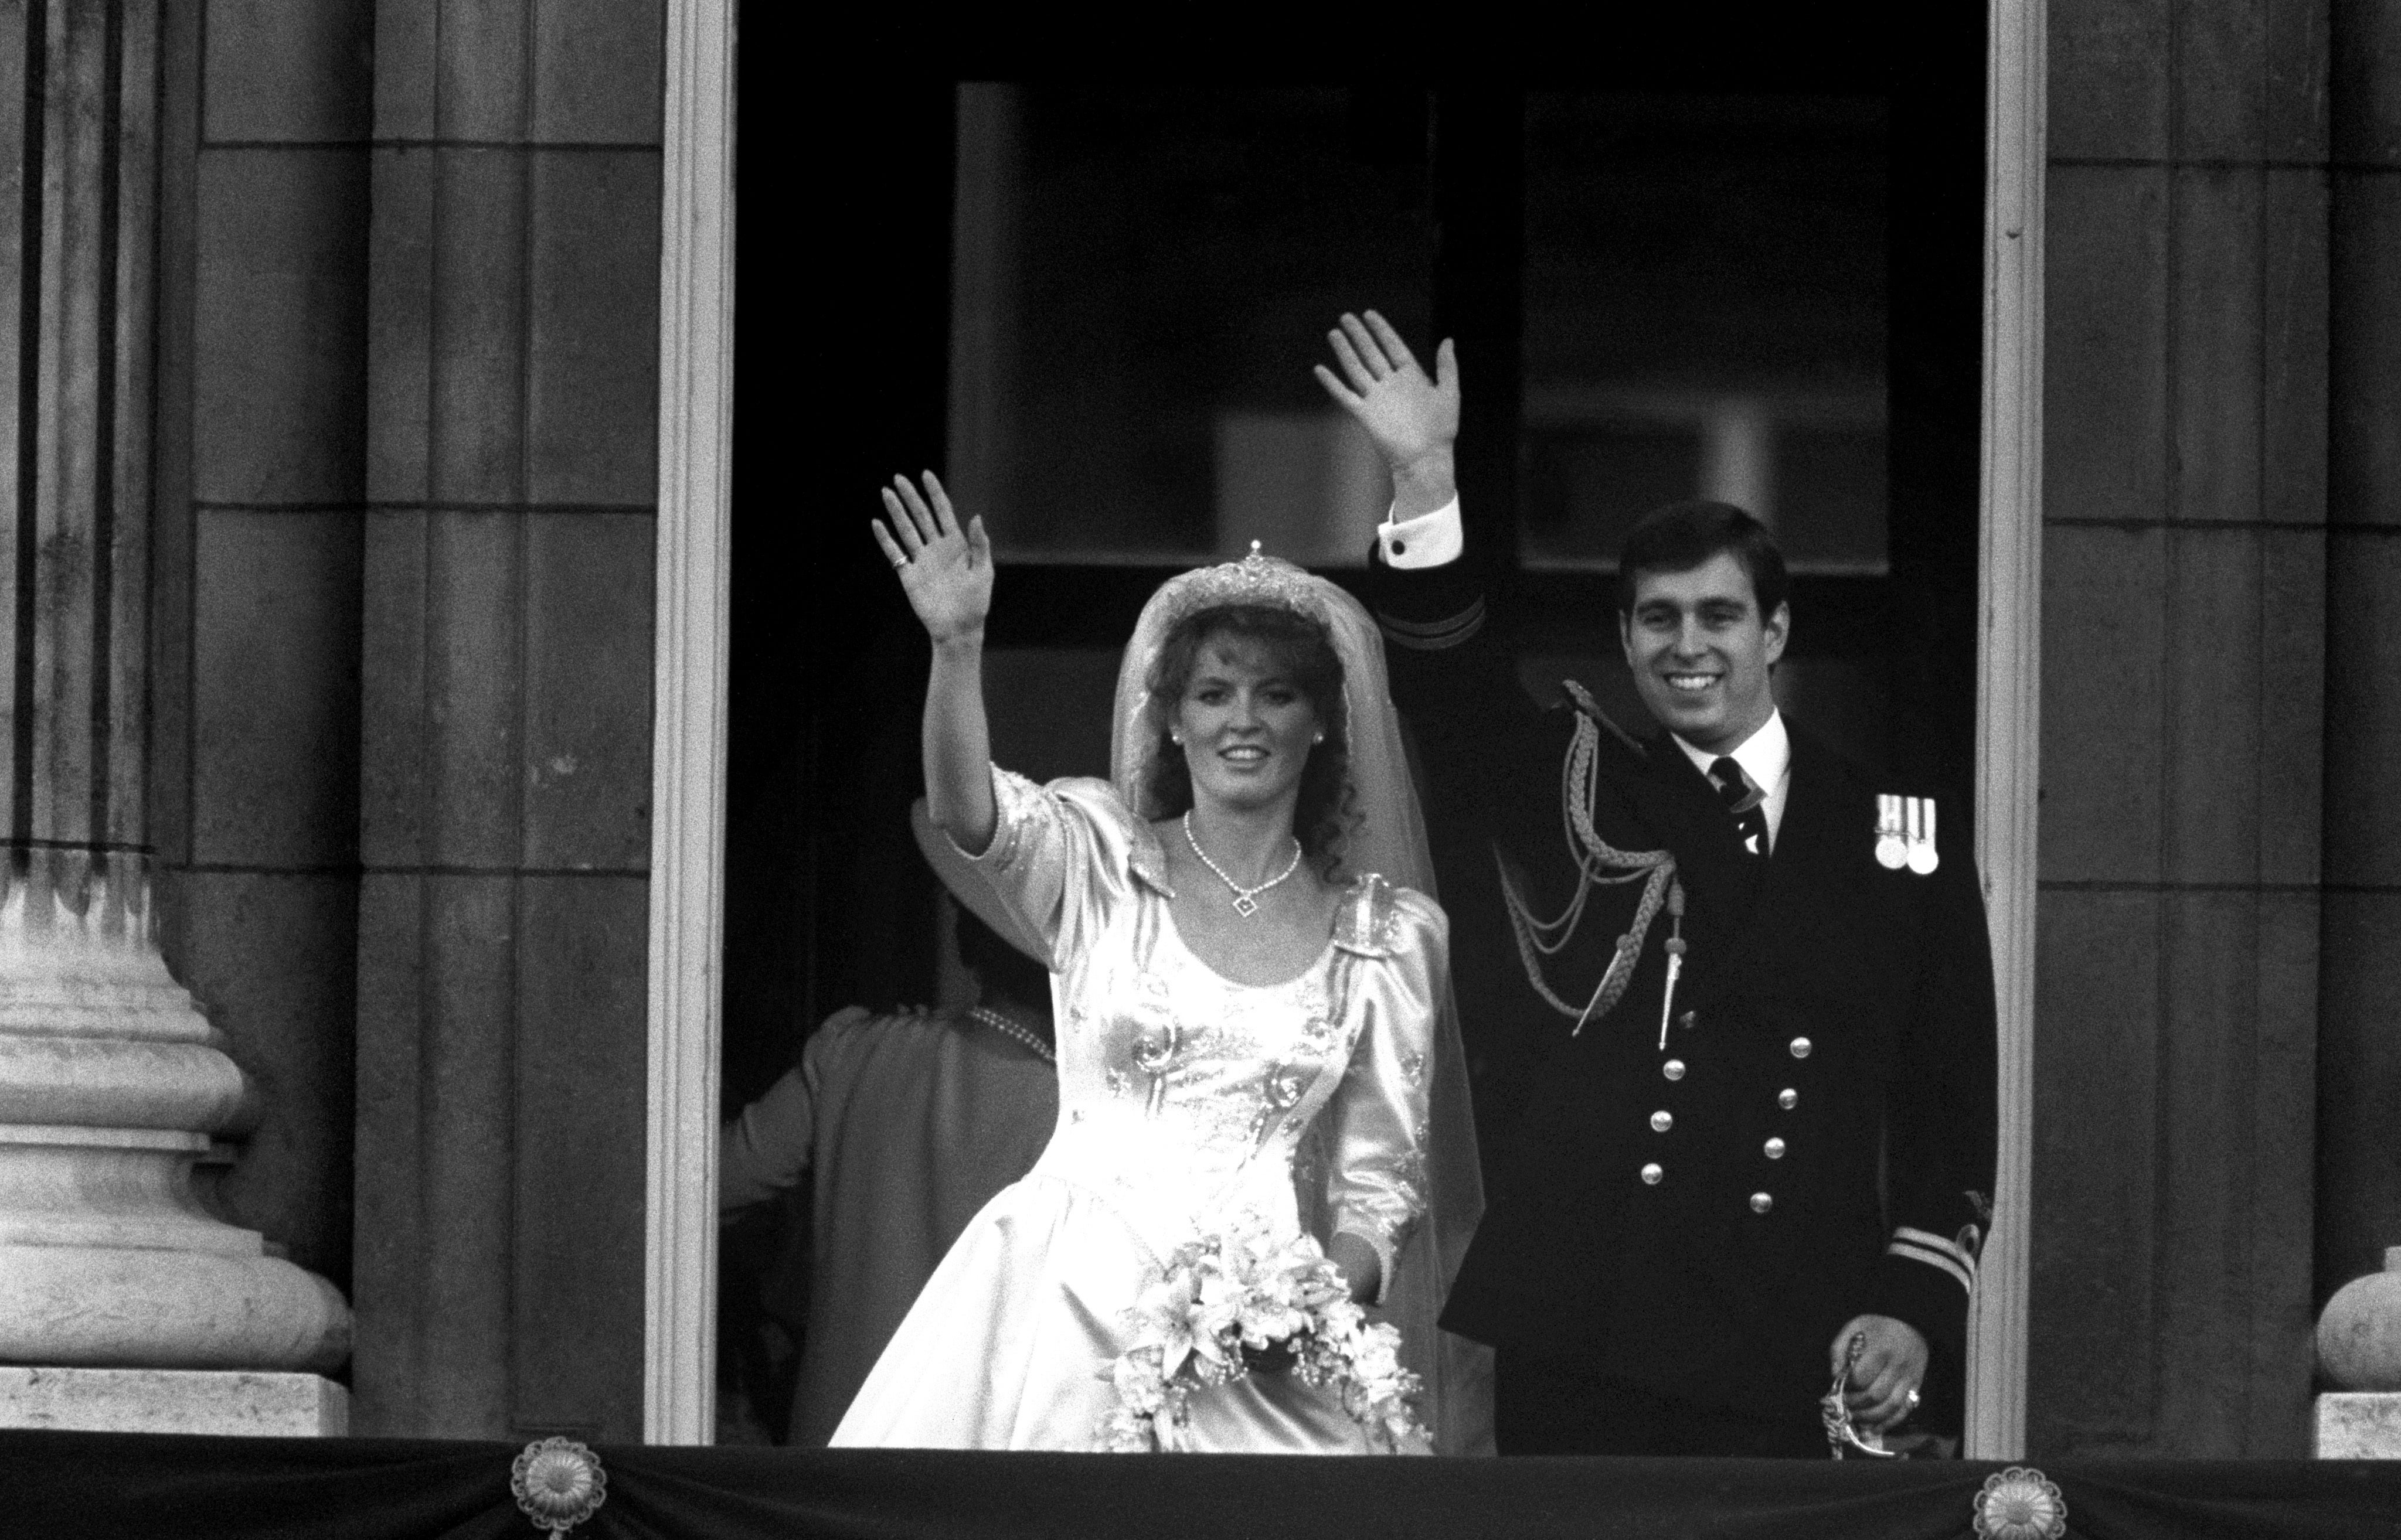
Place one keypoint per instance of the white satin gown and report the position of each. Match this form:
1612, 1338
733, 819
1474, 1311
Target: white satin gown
1182, 1096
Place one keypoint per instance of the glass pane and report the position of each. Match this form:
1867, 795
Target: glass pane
1705, 316
1051, 709
1142, 277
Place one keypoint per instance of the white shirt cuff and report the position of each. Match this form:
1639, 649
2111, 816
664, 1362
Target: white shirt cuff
1430, 539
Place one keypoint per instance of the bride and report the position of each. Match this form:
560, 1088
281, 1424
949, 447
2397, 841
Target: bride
1253, 1007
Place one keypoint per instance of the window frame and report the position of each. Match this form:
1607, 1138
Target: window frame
696, 353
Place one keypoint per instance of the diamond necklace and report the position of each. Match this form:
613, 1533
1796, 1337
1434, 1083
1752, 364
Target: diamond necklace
1246, 900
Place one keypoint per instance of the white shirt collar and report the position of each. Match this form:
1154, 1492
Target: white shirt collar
1766, 755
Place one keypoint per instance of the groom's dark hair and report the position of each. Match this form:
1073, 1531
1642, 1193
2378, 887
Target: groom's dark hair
1681, 536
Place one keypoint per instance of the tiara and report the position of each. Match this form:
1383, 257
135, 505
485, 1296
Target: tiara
1255, 579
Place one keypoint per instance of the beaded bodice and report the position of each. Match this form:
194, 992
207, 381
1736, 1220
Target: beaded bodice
1184, 1096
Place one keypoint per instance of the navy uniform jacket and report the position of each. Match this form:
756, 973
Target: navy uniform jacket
1828, 1137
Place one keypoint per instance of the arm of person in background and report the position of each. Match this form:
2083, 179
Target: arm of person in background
768, 1146
946, 571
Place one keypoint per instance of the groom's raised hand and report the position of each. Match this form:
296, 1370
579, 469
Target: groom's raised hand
1413, 420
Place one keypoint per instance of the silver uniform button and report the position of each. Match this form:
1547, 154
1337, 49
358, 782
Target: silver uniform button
1787, 1099
1800, 1047
1775, 1149
1652, 1173
1673, 1069
1762, 1201
1662, 1121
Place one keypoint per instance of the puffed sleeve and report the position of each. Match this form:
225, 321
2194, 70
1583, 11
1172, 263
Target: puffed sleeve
1376, 1174
1060, 854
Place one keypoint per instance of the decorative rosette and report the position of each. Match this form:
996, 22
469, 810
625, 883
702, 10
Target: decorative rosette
558, 1483
2020, 1503
1245, 1298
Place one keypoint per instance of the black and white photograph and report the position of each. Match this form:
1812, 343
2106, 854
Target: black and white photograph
1627, 763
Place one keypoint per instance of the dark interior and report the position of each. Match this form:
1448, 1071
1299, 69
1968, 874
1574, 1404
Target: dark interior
1712, 263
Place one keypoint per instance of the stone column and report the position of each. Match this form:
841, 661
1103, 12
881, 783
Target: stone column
111, 1080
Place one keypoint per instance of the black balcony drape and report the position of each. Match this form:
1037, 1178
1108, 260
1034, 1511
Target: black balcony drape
73, 1485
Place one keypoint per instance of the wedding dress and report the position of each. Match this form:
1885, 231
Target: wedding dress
1335, 1101
1183, 1099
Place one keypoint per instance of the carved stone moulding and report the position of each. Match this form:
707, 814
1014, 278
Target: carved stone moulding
156, 1308
111, 1083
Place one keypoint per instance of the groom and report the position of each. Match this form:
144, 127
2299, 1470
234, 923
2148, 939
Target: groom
1760, 1147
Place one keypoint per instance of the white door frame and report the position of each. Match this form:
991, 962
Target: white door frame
688, 725
2009, 688
688, 760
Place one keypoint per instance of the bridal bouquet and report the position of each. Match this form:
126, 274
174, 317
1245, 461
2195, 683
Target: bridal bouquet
1245, 1298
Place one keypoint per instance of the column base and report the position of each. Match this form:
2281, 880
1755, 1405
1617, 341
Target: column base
2357, 1425
101, 1307
175, 1400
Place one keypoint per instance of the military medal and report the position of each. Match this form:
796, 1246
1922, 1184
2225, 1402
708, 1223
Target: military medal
1922, 856
1890, 852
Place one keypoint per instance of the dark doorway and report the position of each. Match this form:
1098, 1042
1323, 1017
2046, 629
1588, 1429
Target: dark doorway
1730, 261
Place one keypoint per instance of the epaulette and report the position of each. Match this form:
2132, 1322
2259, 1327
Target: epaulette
1583, 702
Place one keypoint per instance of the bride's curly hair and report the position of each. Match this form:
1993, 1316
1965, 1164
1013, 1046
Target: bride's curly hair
1299, 650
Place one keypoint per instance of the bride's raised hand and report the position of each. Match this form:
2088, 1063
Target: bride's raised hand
1411, 418
945, 568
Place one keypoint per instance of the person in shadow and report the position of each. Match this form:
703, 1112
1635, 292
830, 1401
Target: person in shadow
904, 1125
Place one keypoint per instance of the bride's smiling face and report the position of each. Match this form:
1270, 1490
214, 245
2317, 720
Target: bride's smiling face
1244, 725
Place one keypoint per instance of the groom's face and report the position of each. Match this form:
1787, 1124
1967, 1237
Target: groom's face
1701, 651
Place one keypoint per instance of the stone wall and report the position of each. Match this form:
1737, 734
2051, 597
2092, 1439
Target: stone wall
2359, 1056
504, 824
2211, 923
404, 747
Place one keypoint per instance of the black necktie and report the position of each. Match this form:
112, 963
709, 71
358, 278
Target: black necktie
1747, 802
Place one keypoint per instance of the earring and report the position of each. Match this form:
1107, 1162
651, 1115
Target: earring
1319, 739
